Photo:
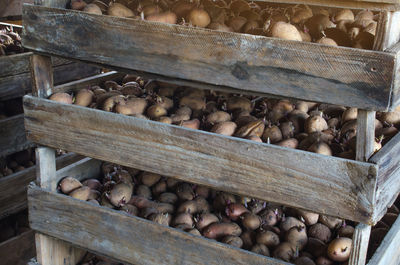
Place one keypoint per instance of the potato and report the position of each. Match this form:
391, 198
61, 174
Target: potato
304, 261
202, 191
339, 249
159, 187
267, 238
94, 184
327, 41
111, 102
131, 106
344, 14
85, 96
390, 117
315, 124
285, 31
289, 143
297, 237
198, 17
272, 134
93, 195
219, 230
239, 103
290, 222
151, 10
251, 221
156, 111
191, 124
188, 207
346, 231
219, 26
233, 241
284, 252
120, 194
93, 9
119, 10
105, 202
149, 179
330, 222
287, 129
234, 210
61, 97
161, 218
320, 147
168, 197
130, 209
165, 17
268, 217
205, 219
144, 191
254, 128
183, 218
322, 260
315, 247
217, 117
236, 23
260, 249
301, 15
185, 192
68, 184
320, 231
225, 128
82, 193
78, 4
194, 103
310, 218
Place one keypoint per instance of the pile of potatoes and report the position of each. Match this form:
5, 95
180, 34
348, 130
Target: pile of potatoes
17, 162
10, 42
268, 229
337, 27
14, 225
320, 128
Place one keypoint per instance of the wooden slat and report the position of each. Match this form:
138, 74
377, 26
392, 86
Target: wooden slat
13, 187
360, 245
388, 184
12, 135
310, 71
396, 85
89, 81
388, 30
18, 85
12, 7
230, 164
365, 135
388, 252
126, 238
18, 250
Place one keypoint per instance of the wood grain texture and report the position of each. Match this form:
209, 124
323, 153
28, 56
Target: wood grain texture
127, 238
309, 71
361, 235
42, 75
365, 135
388, 252
387, 31
18, 250
225, 163
12, 7
12, 135
15, 86
388, 184
13, 188
396, 84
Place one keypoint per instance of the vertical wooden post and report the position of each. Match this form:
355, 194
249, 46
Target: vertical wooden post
364, 150
49, 251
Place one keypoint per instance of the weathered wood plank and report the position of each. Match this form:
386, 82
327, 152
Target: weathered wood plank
396, 84
230, 164
12, 135
18, 85
388, 252
127, 238
42, 75
337, 75
12, 8
388, 30
358, 254
365, 135
13, 200
18, 250
388, 184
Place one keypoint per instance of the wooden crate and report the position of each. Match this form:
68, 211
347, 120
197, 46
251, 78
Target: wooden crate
135, 240
12, 135
267, 172
14, 200
18, 250
309, 71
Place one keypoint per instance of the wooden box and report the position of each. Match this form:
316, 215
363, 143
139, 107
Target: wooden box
257, 64
135, 240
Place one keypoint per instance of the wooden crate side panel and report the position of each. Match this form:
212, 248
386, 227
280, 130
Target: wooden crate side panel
127, 238
388, 184
226, 163
12, 135
13, 200
388, 252
350, 77
396, 84
18, 250
18, 85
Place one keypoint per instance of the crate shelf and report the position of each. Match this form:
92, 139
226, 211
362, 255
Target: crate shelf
19, 249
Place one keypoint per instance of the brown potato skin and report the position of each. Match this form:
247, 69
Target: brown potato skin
218, 230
